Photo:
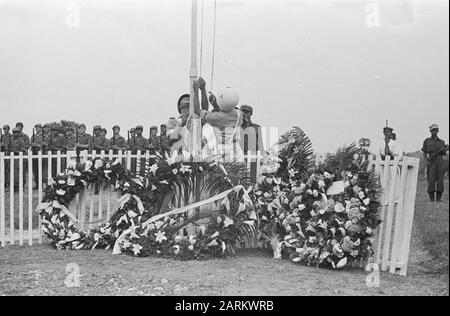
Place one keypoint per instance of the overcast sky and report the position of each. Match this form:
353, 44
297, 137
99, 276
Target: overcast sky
331, 67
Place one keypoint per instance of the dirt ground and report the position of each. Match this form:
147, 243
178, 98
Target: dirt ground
41, 270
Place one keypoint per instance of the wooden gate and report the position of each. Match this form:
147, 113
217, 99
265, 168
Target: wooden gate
398, 180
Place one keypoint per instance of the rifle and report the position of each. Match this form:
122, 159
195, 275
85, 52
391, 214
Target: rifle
77, 149
432, 157
1, 141
65, 140
93, 138
51, 137
33, 150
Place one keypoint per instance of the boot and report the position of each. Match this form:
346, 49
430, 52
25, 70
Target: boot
439, 196
431, 194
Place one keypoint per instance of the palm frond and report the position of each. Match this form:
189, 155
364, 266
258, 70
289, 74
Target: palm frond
295, 151
341, 160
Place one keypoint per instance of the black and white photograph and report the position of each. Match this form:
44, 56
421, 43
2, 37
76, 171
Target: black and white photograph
223, 154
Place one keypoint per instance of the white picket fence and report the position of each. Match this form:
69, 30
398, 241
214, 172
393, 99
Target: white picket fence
19, 223
398, 181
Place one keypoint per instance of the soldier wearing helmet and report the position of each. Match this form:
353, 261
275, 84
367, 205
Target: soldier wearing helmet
434, 150
227, 123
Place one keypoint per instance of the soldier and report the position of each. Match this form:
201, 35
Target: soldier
27, 142
100, 143
5, 145
5, 139
252, 140
177, 130
139, 142
47, 137
153, 141
71, 139
131, 135
117, 142
164, 141
58, 145
37, 142
18, 145
226, 123
84, 141
24, 136
434, 149
46, 145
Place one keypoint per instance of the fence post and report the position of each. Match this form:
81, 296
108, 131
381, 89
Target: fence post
399, 215
2, 199
11, 198
409, 213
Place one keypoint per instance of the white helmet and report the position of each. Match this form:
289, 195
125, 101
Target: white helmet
227, 99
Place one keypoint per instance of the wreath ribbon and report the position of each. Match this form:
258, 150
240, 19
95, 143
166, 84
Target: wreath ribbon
184, 209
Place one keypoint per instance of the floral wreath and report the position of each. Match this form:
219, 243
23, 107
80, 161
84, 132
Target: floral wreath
322, 216
135, 226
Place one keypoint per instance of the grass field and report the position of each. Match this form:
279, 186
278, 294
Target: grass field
41, 270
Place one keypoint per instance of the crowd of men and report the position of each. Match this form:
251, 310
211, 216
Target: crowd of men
168, 138
56, 138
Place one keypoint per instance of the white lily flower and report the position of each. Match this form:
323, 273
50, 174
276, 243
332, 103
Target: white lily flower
160, 236
98, 164
137, 249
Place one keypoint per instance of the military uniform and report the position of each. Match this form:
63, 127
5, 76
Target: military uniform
138, 143
37, 143
131, 135
435, 149
5, 144
5, 141
18, 145
24, 136
251, 140
153, 144
71, 142
164, 144
84, 141
100, 143
118, 143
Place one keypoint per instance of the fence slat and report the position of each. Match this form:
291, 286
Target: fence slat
58, 162
21, 184
30, 200
392, 185
398, 228
11, 199
409, 214
40, 193
2, 200
49, 167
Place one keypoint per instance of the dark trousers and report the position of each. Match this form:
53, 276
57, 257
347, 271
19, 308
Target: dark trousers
17, 171
435, 176
7, 169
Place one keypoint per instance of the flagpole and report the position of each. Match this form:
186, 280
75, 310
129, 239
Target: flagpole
194, 136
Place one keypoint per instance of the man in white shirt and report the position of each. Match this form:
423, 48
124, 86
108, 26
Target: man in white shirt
389, 145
